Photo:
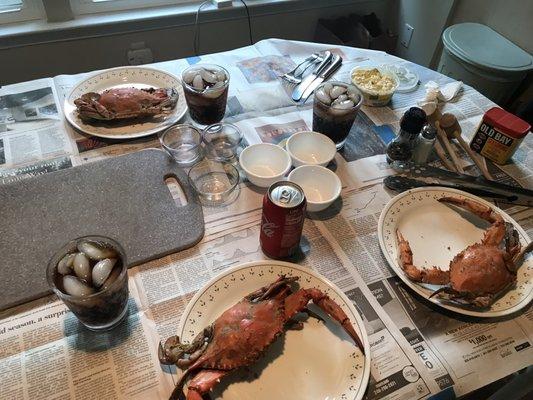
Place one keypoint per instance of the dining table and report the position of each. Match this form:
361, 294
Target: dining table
417, 348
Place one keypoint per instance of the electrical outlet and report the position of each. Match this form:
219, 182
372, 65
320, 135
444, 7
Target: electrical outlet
140, 54
222, 3
406, 35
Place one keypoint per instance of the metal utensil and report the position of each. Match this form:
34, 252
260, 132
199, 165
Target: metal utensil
300, 88
295, 76
431, 176
336, 63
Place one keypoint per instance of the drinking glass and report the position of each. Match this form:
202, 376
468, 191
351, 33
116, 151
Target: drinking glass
101, 308
333, 117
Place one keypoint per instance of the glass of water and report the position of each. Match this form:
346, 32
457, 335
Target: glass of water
184, 143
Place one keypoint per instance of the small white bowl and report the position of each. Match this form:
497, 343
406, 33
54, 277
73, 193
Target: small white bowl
264, 163
320, 185
310, 148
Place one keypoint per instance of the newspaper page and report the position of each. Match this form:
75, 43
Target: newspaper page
456, 350
396, 371
31, 128
45, 353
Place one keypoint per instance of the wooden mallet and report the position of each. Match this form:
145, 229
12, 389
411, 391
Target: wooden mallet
451, 151
433, 119
449, 124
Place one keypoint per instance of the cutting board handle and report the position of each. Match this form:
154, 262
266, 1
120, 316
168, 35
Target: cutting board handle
174, 171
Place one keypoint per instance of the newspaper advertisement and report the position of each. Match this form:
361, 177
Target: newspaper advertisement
467, 364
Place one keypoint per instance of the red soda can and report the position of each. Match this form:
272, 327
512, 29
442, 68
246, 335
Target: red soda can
283, 218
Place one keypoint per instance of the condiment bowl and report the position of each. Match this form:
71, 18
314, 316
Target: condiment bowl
264, 163
320, 185
310, 148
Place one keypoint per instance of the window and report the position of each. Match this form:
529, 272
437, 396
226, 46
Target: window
96, 6
20, 10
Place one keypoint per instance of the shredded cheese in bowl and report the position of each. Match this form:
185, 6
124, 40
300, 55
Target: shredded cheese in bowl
377, 86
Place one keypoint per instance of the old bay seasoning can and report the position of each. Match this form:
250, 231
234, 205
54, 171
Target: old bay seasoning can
283, 218
498, 135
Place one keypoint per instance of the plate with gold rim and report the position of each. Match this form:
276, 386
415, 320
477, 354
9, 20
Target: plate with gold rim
320, 361
436, 233
125, 77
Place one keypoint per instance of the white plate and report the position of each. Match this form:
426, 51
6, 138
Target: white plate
436, 234
139, 77
319, 362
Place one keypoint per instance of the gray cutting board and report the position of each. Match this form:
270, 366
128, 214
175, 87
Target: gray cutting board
124, 198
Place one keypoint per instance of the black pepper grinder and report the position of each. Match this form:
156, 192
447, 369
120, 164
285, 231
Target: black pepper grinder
400, 150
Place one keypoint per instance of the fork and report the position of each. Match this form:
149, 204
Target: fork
295, 76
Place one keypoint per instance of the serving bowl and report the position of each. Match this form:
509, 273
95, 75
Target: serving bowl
320, 185
374, 94
264, 163
310, 148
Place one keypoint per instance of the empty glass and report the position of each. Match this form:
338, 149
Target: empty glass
214, 181
184, 143
222, 141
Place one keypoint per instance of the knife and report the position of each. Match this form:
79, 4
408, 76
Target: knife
336, 62
300, 88
479, 186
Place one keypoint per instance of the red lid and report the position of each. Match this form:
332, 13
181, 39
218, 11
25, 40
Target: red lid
507, 123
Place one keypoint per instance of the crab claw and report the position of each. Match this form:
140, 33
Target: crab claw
496, 232
200, 384
433, 275
297, 302
468, 299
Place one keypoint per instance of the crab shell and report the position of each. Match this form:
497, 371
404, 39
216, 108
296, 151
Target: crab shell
124, 103
480, 270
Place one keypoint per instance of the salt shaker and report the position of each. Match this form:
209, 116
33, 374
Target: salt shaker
400, 150
424, 144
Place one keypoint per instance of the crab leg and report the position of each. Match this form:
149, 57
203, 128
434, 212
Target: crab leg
433, 275
267, 292
297, 301
200, 384
496, 232
518, 259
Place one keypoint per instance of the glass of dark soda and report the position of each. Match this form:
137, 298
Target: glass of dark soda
206, 92
89, 275
335, 108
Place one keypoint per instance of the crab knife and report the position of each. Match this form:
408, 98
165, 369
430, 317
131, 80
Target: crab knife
336, 62
300, 89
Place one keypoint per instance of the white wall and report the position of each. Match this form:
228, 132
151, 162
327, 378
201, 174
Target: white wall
429, 19
87, 54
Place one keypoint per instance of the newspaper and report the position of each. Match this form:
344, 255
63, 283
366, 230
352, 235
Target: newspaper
31, 128
457, 351
415, 349
46, 342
